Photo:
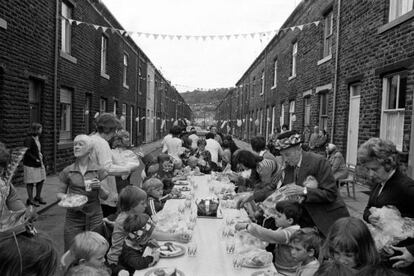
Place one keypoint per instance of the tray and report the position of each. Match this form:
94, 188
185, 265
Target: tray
180, 252
73, 201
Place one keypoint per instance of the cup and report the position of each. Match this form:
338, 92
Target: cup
187, 203
229, 221
237, 262
88, 183
230, 244
181, 209
191, 225
192, 249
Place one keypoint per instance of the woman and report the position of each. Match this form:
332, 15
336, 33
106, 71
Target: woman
101, 154
229, 148
124, 156
34, 169
204, 157
74, 179
391, 187
337, 161
261, 169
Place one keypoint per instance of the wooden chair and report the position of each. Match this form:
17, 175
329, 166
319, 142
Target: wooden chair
350, 180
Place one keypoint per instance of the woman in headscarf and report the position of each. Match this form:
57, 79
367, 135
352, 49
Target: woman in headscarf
82, 177
337, 161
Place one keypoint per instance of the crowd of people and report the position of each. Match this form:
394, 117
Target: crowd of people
310, 231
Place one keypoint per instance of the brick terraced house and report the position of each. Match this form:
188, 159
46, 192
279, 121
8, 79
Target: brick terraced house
352, 75
62, 73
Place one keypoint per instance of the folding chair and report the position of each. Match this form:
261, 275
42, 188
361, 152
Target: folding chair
350, 180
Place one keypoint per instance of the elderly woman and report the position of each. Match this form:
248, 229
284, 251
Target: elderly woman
337, 161
391, 187
124, 156
72, 180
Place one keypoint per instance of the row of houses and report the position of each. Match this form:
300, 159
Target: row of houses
351, 72
59, 68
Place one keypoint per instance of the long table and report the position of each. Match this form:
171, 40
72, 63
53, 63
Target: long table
211, 258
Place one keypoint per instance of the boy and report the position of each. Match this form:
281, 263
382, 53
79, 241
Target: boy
305, 244
133, 257
286, 219
154, 189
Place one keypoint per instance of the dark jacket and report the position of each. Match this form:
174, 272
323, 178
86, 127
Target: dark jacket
324, 204
399, 192
32, 156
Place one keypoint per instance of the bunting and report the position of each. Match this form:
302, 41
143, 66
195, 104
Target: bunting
206, 37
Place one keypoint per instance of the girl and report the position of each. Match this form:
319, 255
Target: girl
154, 189
34, 169
88, 248
133, 200
73, 179
350, 243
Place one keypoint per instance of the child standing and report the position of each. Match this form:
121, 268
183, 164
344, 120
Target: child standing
154, 189
286, 219
89, 248
140, 229
305, 244
350, 243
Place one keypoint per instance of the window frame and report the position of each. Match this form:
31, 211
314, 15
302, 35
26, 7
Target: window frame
328, 34
125, 64
103, 105
394, 13
66, 104
323, 117
274, 74
262, 83
293, 71
66, 27
307, 114
104, 54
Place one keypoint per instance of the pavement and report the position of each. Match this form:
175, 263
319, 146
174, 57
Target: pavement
51, 183
355, 205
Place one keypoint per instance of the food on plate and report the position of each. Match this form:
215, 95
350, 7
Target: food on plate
73, 200
165, 272
169, 249
184, 189
207, 207
181, 182
257, 258
265, 273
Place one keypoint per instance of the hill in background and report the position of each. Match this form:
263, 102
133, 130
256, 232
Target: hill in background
204, 104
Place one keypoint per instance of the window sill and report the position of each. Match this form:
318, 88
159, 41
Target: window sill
3, 23
104, 75
65, 144
396, 22
325, 59
68, 57
126, 86
291, 77
273, 87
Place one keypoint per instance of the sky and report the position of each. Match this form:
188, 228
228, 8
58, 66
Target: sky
191, 64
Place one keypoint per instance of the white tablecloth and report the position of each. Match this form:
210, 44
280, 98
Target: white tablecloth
211, 258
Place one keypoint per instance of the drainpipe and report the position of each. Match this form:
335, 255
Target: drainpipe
335, 86
55, 76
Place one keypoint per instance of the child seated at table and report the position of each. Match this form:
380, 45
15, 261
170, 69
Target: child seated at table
154, 189
305, 244
136, 252
88, 248
86, 270
286, 219
192, 165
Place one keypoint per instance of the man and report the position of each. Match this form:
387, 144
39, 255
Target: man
322, 205
194, 138
217, 136
165, 141
258, 144
214, 148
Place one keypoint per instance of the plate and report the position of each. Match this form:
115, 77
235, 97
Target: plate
152, 271
179, 252
181, 183
73, 200
264, 273
249, 265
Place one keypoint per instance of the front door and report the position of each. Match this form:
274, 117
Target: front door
353, 124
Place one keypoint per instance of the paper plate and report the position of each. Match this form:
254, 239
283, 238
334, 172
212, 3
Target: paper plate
73, 201
152, 271
180, 251
265, 273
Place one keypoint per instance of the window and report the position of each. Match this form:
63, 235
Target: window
294, 55
323, 111
328, 35
131, 119
292, 116
124, 116
140, 80
275, 73
125, 71
103, 105
66, 39
254, 86
282, 114
273, 118
115, 107
104, 53
65, 115
399, 8
262, 86
261, 121
393, 109
87, 113
35, 94
307, 110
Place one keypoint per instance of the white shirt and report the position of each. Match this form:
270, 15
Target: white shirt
215, 149
174, 146
164, 142
194, 138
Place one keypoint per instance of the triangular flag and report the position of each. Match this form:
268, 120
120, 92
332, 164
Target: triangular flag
70, 21
130, 33
122, 32
187, 37
163, 36
113, 30
171, 37
244, 35
179, 37
147, 35
212, 37
228, 37
139, 34
252, 35
236, 36
104, 29
316, 23
269, 33
155, 36
204, 37
220, 37
300, 27
95, 26
292, 28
